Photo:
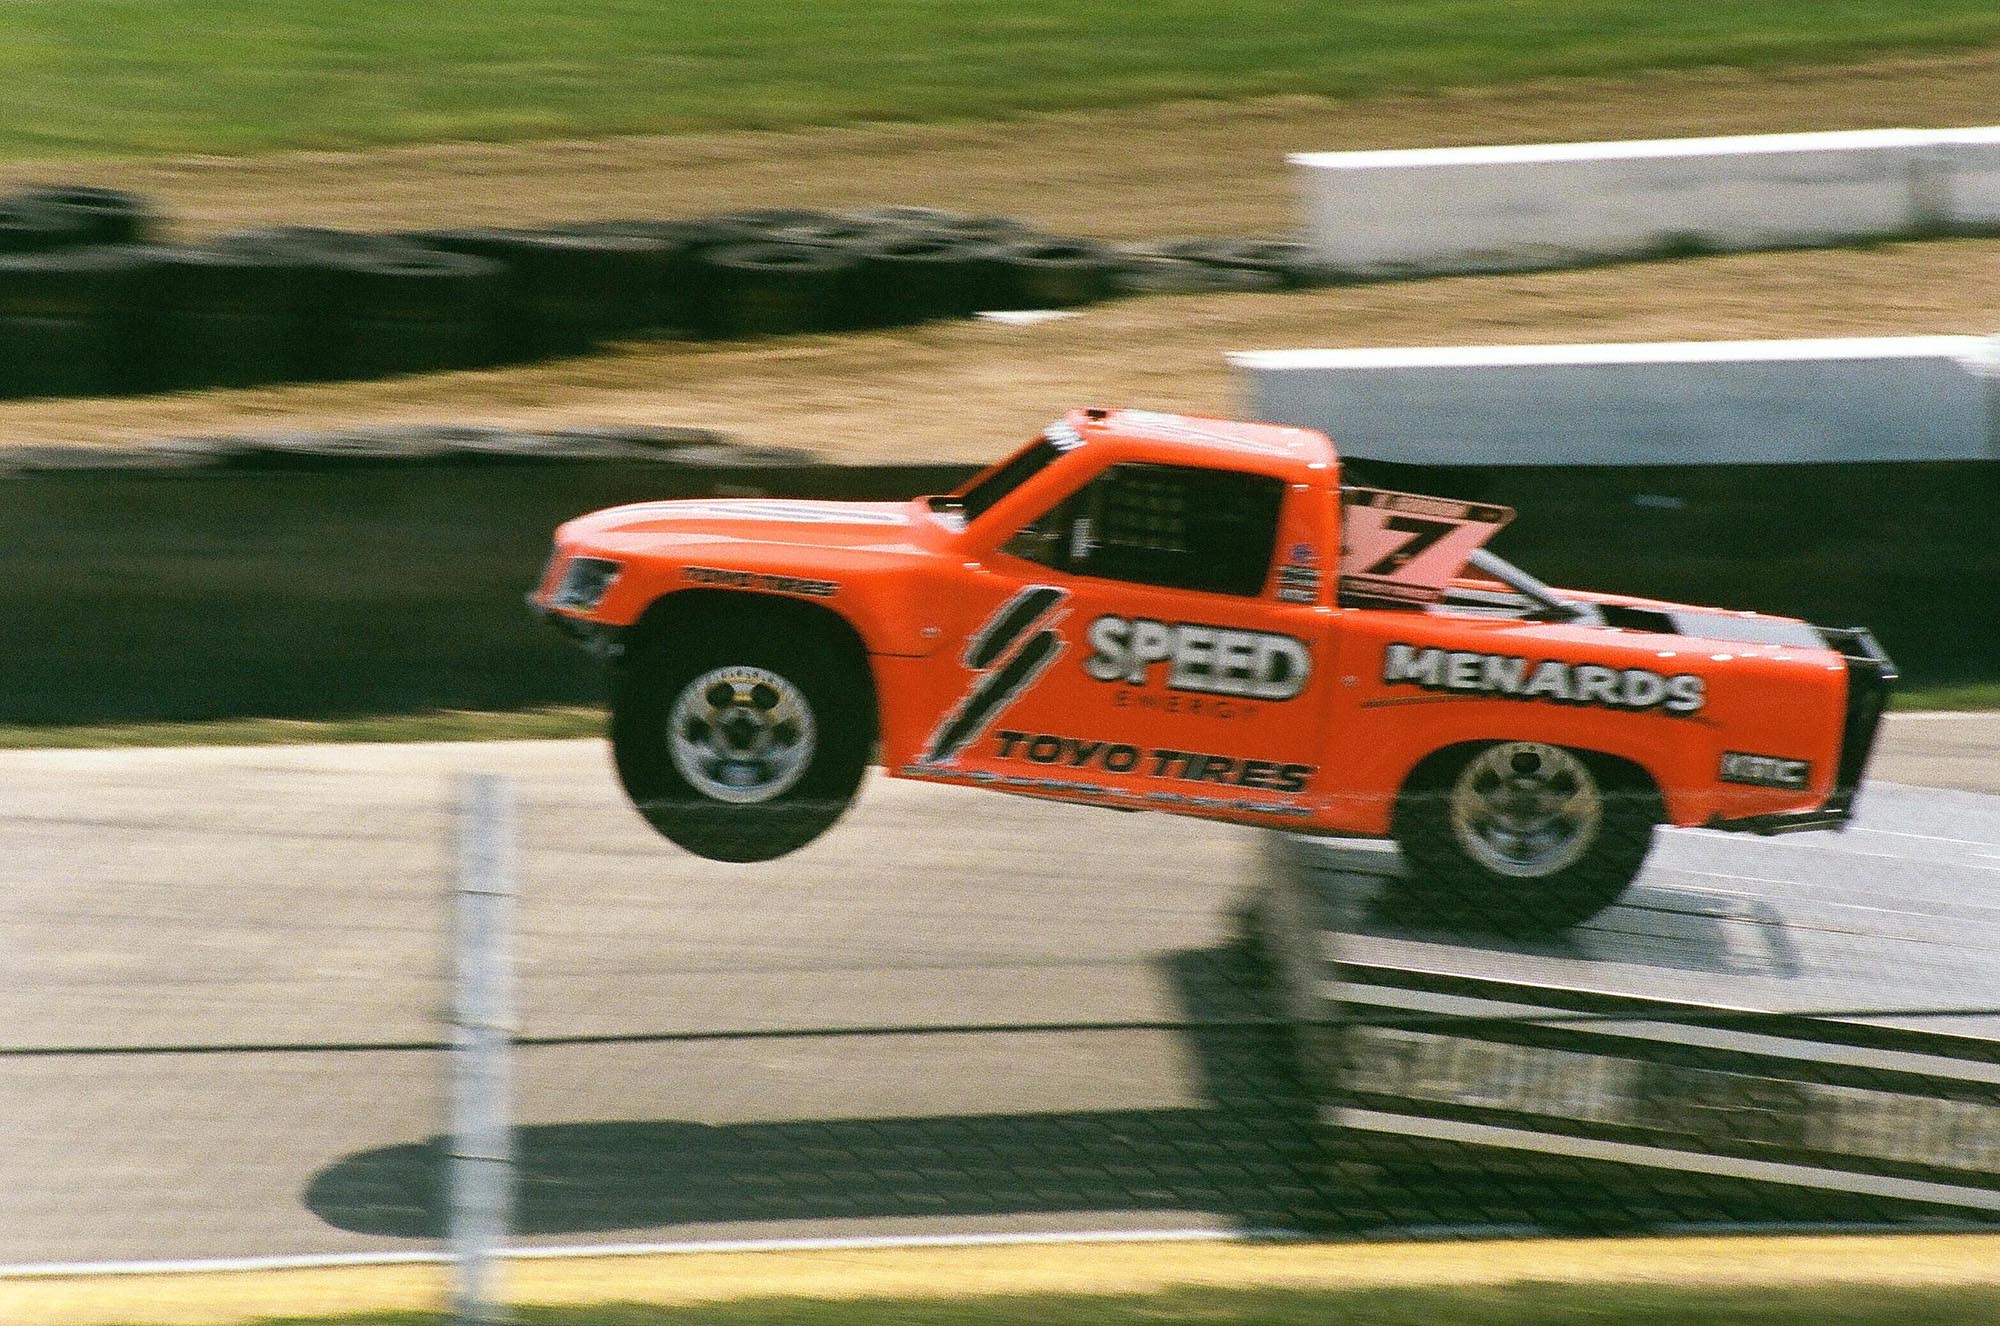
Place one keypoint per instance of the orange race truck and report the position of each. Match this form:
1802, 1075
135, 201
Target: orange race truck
1146, 611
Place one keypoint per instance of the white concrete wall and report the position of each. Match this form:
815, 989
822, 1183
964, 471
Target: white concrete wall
1561, 204
1959, 180
1697, 403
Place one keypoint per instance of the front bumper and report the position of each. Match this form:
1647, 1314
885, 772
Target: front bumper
1869, 676
598, 639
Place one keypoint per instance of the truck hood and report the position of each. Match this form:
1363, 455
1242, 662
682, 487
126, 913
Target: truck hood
794, 522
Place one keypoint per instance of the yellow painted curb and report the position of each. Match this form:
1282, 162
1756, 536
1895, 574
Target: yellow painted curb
220, 1298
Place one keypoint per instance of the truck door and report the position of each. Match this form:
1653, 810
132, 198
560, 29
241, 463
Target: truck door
1156, 638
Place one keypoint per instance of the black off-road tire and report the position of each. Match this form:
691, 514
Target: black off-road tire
1147, 275
1052, 272
67, 319
778, 289
107, 216
224, 316
915, 277
29, 226
648, 690
1448, 882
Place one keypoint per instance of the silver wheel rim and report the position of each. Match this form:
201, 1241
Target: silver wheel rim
741, 734
1524, 809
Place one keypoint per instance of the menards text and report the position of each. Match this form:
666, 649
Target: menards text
1547, 679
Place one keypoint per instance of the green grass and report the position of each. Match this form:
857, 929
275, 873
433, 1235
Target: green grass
137, 76
1946, 695
1512, 1305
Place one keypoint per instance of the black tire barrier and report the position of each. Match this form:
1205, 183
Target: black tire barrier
1292, 264
775, 289
676, 300
65, 317
566, 291
981, 229
907, 218
914, 277
1147, 275
837, 232
27, 226
1296, 266
589, 287
103, 216
326, 294
765, 222
222, 316
856, 305
295, 303
513, 332
43, 356
416, 311
1053, 273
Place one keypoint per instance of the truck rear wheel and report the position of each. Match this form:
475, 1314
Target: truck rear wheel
742, 749
1521, 836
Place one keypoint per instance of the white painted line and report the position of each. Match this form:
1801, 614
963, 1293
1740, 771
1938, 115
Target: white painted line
1795, 1048
1924, 837
1970, 349
921, 1241
307, 1261
1026, 317
1830, 140
1654, 1157
311, 1261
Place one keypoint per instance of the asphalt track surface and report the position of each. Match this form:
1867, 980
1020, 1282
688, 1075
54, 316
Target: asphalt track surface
295, 896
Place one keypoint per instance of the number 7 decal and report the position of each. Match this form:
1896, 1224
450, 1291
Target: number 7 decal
1402, 548
1427, 532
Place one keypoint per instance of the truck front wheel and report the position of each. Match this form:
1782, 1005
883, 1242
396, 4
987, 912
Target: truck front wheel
1520, 835
740, 750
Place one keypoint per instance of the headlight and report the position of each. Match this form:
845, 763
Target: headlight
584, 582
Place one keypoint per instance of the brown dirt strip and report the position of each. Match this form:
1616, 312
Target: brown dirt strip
1117, 1268
968, 390
1201, 167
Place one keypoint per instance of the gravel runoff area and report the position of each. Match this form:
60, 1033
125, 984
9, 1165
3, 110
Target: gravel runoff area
1202, 167
967, 391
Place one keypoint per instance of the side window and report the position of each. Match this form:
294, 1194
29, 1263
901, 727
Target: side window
1175, 525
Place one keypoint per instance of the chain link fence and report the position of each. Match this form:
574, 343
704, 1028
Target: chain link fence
226, 988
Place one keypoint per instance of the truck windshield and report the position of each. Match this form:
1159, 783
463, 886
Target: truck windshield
979, 496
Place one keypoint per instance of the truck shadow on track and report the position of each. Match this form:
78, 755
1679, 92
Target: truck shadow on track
1248, 1155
